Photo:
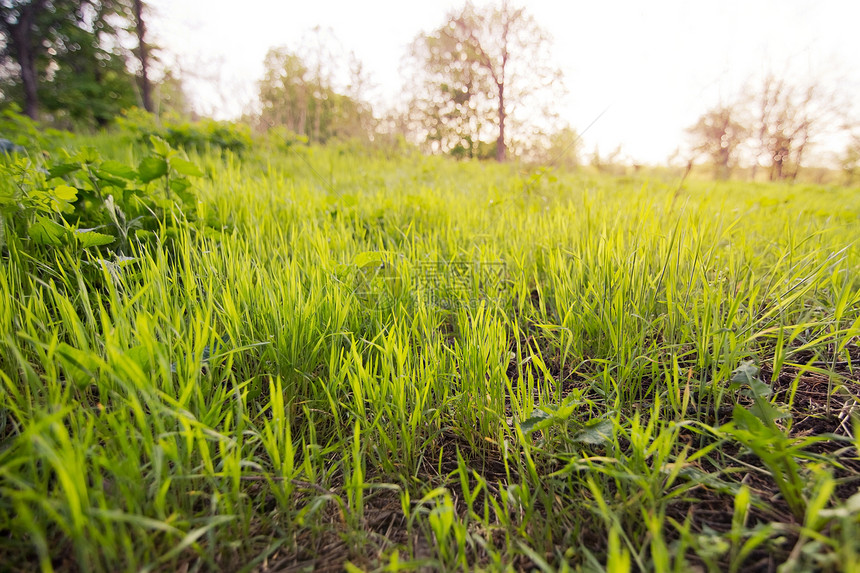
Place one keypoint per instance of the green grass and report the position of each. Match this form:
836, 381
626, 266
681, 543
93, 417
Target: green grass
665, 379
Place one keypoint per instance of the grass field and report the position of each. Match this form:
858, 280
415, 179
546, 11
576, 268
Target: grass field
400, 363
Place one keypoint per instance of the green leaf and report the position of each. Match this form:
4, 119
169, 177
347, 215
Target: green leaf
159, 146
373, 258
65, 193
760, 388
88, 238
567, 407
539, 420
746, 373
80, 365
152, 168
106, 177
188, 198
185, 167
767, 412
192, 536
62, 169
179, 184
145, 235
141, 355
9, 195
596, 433
129, 194
123, 261
87, 155
163, 203
47, 232
745, 420
118, 169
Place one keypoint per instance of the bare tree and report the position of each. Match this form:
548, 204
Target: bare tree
492, 58
719, 134
788, 118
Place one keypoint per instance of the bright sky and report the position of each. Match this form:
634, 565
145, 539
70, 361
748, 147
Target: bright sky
656, 65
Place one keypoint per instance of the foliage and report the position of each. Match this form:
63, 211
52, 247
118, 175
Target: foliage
756, 428
67, 59
850, 160
302, 96
560, 147
170, 99
89, 81
454, 110
482, 75
719, 134
773, 125
86, 202
786, 118
359, 361
27, 133
198, 135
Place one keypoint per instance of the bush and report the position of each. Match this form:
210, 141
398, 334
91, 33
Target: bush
26, 133
198, 135
85, 202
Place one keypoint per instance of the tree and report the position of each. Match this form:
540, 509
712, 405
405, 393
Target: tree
850, 160
169, 97
23, 25
561, 148
453, 114
87, 78
63, 54
788, 118
306, 98
284, 91
476, 72
719, 135
142, 55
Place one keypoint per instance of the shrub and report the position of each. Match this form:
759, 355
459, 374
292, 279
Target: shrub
26, 133
85, 202
198, 135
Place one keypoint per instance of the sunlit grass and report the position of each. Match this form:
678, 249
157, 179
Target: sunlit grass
232, 400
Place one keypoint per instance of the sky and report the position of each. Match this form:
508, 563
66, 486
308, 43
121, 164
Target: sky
651, 68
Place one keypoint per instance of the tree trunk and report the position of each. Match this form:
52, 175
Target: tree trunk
143, 55
721, 165
29, 80
776, 170
317, 113
22, 46
798, 157
501, 150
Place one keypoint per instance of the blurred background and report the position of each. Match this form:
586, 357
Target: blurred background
755, 89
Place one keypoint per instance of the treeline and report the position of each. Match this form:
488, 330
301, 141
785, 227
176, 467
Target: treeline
315, 92
75, 63
481, 85
475, 87
770, 127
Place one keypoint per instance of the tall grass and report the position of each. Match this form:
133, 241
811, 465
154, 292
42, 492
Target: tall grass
233, 401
